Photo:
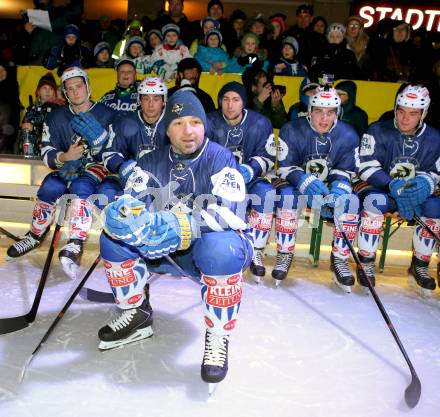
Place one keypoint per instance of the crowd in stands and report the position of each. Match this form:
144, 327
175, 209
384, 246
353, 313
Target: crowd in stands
258, 47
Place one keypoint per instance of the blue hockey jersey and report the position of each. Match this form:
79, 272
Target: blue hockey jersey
385, 153
131, 138
208, 185
58, 135
122, 100
329, 156
251, 141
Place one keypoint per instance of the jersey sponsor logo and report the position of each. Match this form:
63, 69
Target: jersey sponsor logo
368, 144
290, 249
122, 106
223, 296
134, 299
120, 278
230, 324
260, 221
285, 222
349, 229
234, 280
434, 226
209, 280
107, 265
371, 226
282, 149
228, 184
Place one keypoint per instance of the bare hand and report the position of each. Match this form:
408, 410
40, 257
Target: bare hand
276, 98
29, 27
74, 153
267, 90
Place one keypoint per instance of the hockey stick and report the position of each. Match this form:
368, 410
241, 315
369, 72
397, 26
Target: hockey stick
13, 324
9, 234
414, 389
59, 316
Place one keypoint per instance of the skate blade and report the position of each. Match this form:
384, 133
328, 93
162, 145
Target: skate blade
423, 292
277, 282
70, 268
138, 335
345, 288
257, 279
212, 387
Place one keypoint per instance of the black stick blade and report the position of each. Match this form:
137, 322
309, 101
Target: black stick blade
413, 392
12, 324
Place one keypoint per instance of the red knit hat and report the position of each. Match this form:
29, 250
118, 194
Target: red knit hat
280, 21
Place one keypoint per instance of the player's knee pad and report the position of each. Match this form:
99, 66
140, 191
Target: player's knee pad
222, 253
114, 250
127, 280
83, 187
107, 192
376, 202
221, 295
289, 198
52, 188
262, 196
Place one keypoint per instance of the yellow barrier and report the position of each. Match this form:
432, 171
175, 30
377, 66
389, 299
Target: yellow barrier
374, 97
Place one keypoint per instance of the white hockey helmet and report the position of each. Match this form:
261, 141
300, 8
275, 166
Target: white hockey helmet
415, 97
325, 97
73, 72
153, 85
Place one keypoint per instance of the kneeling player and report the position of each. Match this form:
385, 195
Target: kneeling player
186, 206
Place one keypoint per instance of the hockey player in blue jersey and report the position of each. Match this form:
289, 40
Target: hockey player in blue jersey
135, 135
249, 136
123, 97
399, 169
72, 135
185, 202
317, 156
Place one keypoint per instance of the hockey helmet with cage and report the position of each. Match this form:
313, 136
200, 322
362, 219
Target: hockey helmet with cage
153, 85
415, 97
73, 72
325, 97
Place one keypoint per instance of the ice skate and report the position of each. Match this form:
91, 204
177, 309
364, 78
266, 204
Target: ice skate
282, 266
342, 275
70, 257
215, 359
257, 269
419, 277
27, 243
368, 266
132, 325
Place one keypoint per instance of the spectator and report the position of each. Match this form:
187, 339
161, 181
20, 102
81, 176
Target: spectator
124, 97
176, 16
250, 54
316, 41
213, 58
154, 39
71, 54
337, 60
40, 40
166, 56
261, 28
207, 23
106, 33
215, 10
189, 69
262, 97
288, 64
274, 46
300, 31
301, 109
350, 113
358, 42
101, 52
319, 25
133, 29
9, 107
135, 52
235, 30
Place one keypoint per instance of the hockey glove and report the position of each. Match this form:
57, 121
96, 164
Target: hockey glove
418, 189
310, 185
125, 170
337, 189
90, 129
126, 219
396, 187
247, 172
168, 233
71, 170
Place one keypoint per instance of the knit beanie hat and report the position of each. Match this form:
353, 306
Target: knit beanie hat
71, 30
215, 32
290, 40
135, 39
235, 87
336, 27
213, 3
47, 79
157, 32
280, 21
170, 27
100, 47
183, 103
216, 23
237, 14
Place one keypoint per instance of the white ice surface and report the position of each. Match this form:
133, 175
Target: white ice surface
304, 349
